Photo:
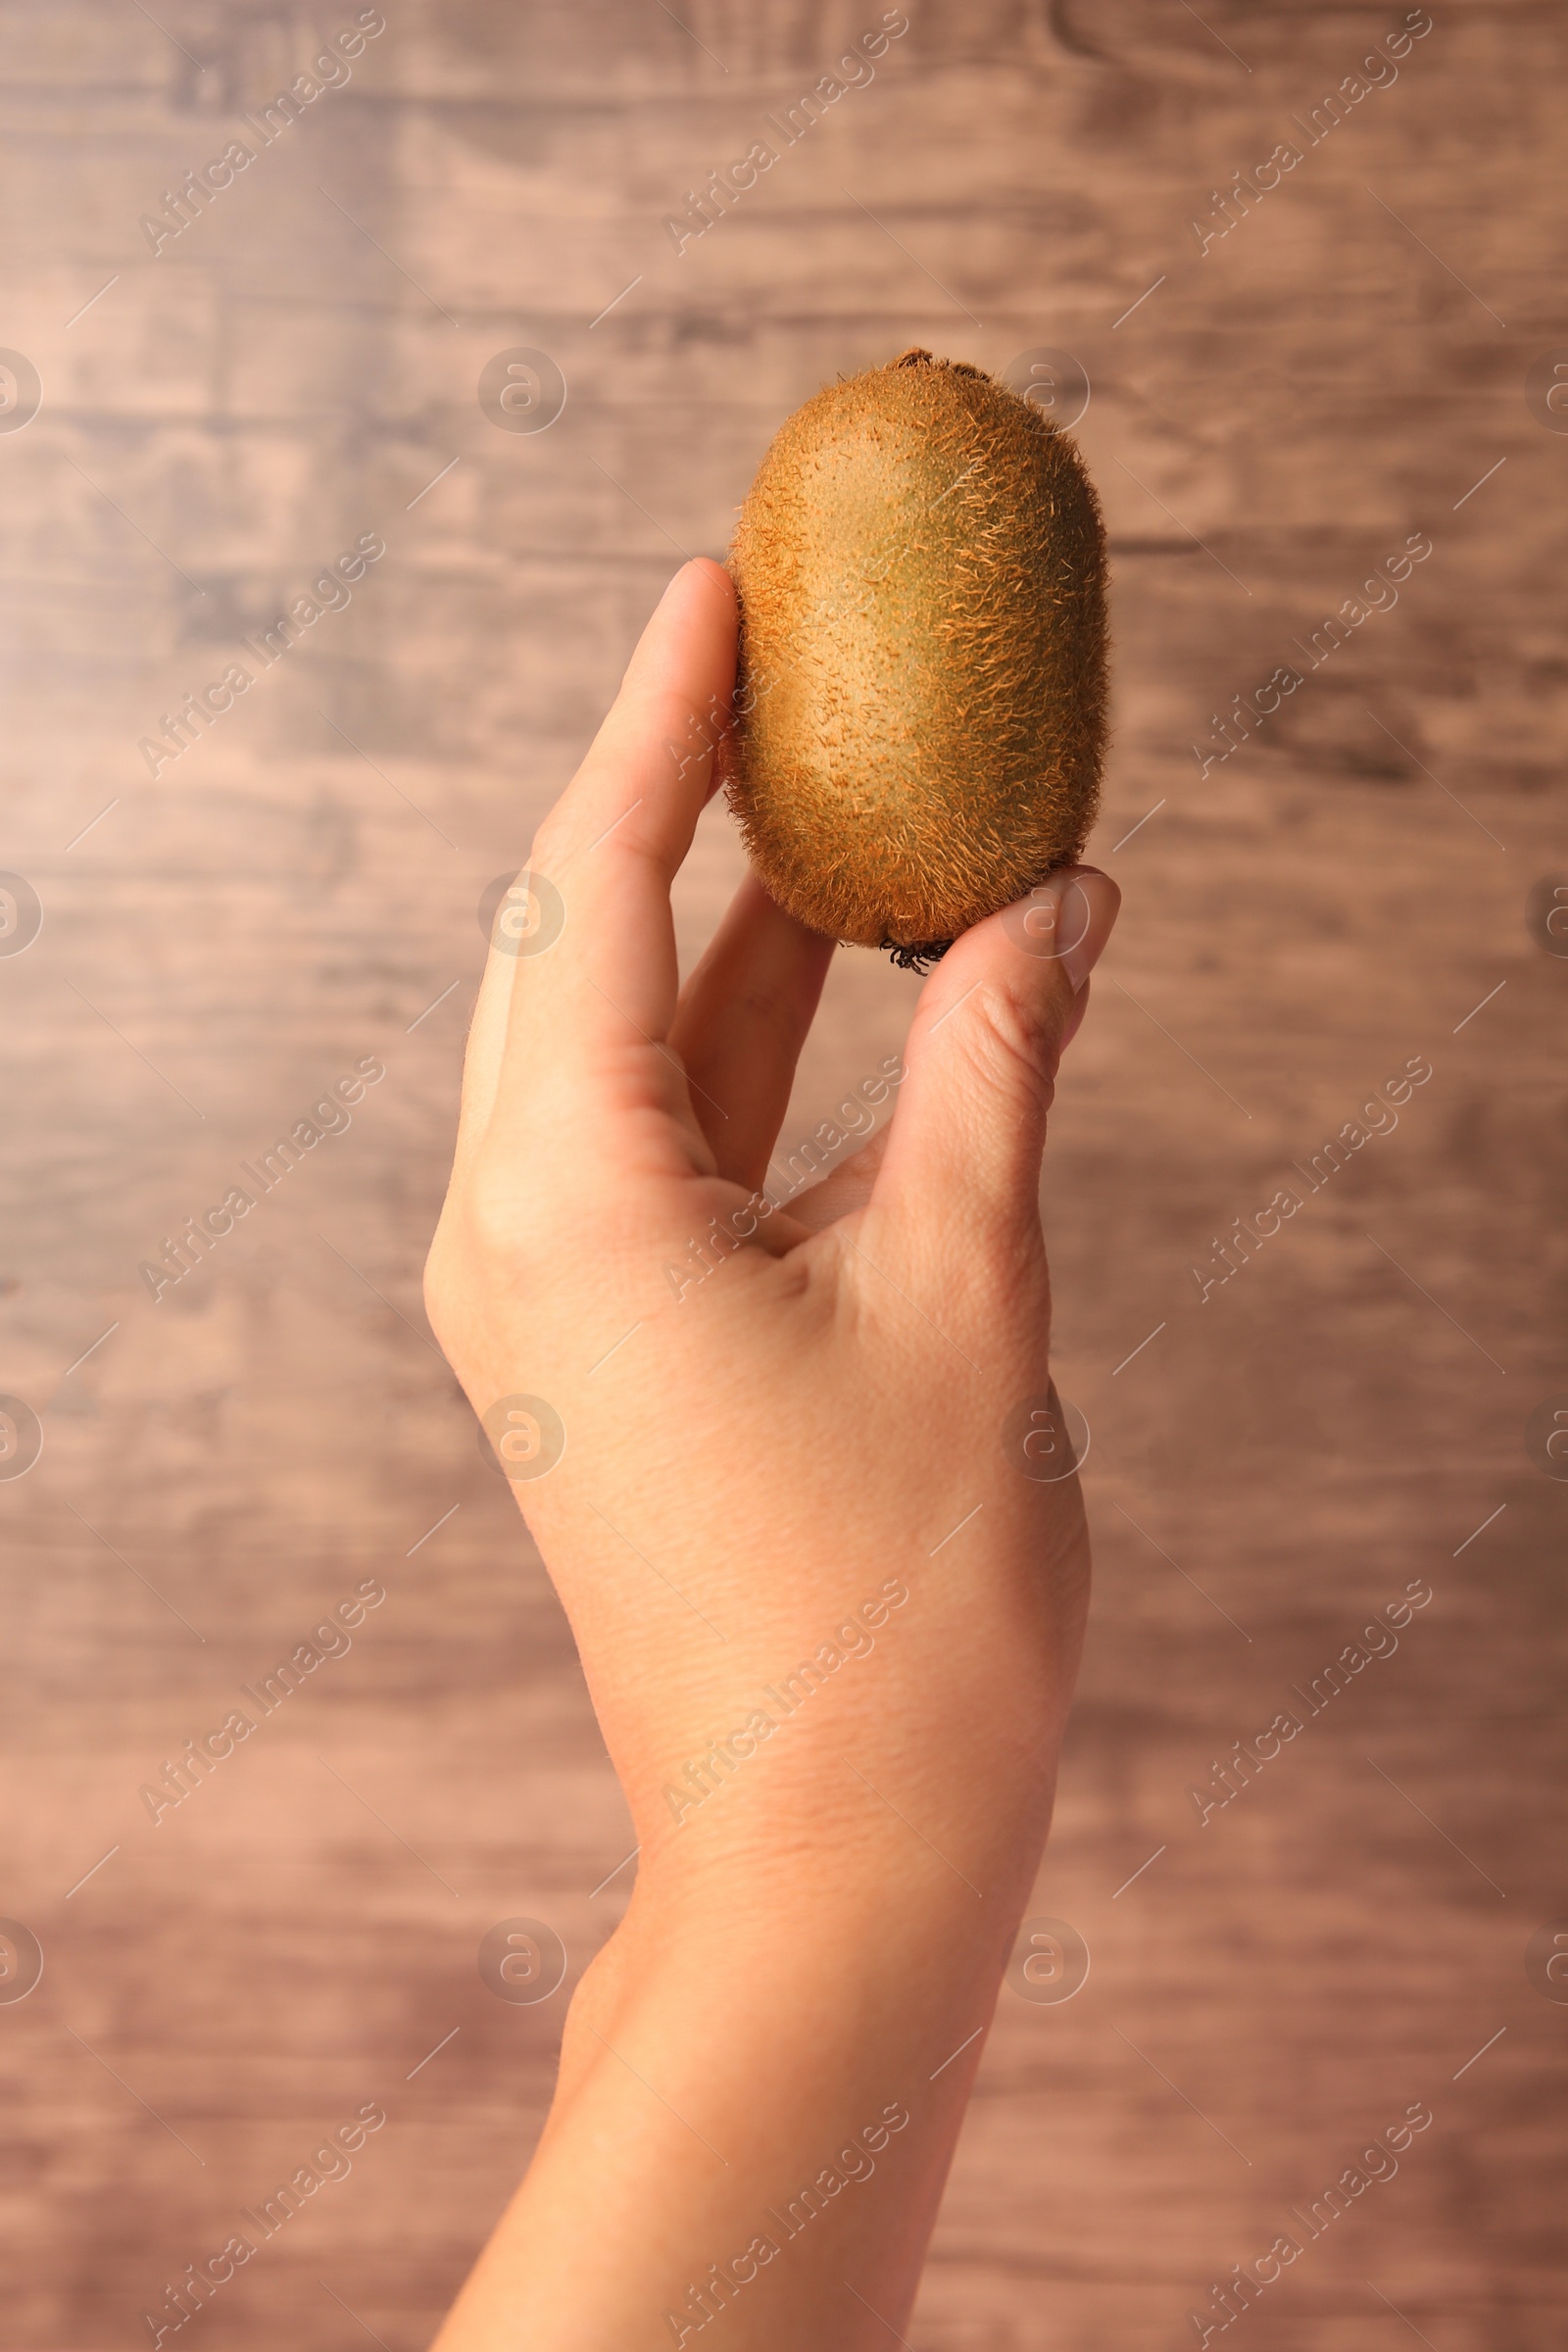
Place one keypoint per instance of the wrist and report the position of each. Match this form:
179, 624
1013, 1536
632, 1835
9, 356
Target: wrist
794, 1922
950, 1750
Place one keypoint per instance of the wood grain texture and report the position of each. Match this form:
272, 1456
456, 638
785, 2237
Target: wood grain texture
1270, 418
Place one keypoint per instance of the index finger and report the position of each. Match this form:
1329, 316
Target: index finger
590, 958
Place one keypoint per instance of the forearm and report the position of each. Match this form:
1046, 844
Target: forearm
759, 2095
764, 2072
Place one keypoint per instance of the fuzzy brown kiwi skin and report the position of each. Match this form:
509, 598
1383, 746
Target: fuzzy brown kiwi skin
920, 701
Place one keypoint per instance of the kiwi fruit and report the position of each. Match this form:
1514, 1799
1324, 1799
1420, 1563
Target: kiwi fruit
921, 706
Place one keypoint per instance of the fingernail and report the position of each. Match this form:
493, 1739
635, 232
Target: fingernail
1068, 919
1088, 917
1075, 1019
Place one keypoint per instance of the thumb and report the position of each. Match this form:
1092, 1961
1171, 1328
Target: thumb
981, 1061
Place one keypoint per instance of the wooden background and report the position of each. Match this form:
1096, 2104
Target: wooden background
298, 890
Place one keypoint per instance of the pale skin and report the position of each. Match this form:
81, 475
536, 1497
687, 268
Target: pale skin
747, 1479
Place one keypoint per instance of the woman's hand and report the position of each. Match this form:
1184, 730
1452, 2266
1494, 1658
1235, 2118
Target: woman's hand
798, 1476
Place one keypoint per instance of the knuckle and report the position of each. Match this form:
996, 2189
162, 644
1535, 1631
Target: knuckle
1007, 1258
1010, 1036
545, 849
441, 1293
437, 1279
498, 1228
